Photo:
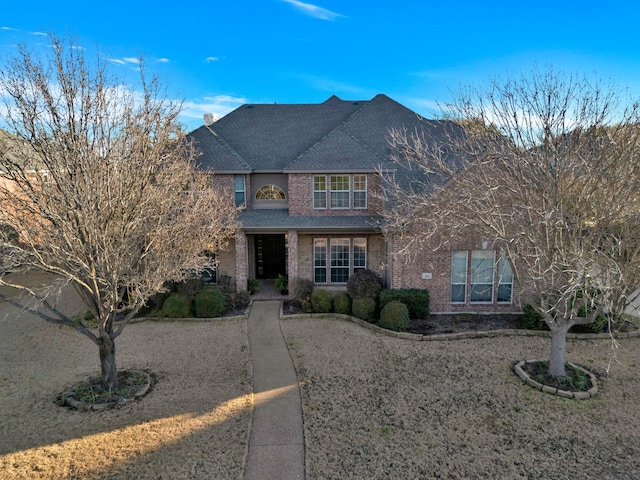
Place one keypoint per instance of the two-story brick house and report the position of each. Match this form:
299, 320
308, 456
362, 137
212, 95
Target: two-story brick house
307, 176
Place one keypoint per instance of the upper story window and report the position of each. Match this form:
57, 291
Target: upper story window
270, 192
240, 190
342, 191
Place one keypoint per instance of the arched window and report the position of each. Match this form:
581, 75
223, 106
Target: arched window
270, 192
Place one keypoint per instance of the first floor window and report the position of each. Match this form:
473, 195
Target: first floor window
482, 276
505, 280
335, 259
359, 254
459, 276
320, 260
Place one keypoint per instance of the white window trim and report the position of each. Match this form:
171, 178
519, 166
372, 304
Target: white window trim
332, 191
366, 186
326, 244
314, 191
466, 278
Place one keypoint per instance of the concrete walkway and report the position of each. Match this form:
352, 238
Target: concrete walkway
276, 444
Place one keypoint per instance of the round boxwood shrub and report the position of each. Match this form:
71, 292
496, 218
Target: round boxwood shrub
416, 300
177, 305
321, 300
210, 302
364, 308
342, 303
364, 284
394, 316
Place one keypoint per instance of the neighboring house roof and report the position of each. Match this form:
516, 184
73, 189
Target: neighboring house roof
336, 135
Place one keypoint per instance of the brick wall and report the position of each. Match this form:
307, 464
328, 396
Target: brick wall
300, 187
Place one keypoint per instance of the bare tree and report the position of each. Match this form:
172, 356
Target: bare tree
99, 183
547, 166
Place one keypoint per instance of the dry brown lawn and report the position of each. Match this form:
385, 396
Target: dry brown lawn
381, 407
374, 406
193, 424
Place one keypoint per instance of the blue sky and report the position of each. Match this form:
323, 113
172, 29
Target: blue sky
219, 54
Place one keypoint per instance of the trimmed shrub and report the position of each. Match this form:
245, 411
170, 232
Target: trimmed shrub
177, 305
364, 284
416, 300
301, 289
321, 300
210, 302
237, 300
342, 303
394, 316
190, 287
532, 319
364, 308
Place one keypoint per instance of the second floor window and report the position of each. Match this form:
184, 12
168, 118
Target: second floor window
240, 190
270, 192
339, 191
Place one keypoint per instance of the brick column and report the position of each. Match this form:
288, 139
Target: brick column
241, 261
292, 263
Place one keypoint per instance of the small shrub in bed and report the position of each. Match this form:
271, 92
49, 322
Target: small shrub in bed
394, 316
210, 302
364, 308
301, 289
364, 284
342, 303
532, 319
416, 300
177, 305
237, 300
599, 325
321, 300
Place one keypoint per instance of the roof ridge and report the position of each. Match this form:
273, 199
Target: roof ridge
361, 104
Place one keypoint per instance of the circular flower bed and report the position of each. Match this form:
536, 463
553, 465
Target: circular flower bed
578, 383
89, 394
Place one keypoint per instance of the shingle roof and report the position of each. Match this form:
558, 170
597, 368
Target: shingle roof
279, 219
335, 134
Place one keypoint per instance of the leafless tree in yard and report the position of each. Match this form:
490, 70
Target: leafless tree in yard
548, 167
99, 183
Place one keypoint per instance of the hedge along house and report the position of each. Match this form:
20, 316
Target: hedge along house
307, 178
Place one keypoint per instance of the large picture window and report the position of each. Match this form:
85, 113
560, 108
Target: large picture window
483, 275
335, 259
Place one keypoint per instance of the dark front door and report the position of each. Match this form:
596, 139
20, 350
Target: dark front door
270, 256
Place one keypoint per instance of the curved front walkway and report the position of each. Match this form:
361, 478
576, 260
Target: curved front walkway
276, 444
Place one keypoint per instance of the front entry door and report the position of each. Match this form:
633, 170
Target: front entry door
270, 256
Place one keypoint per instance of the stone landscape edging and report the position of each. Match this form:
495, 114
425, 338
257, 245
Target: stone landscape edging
418, 337
526, 378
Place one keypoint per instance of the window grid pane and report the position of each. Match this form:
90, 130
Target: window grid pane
505, 281
359, 254
482, 266
320, 260
239, 186
339, 248
319, 191
458, 276
359, 191
339, 191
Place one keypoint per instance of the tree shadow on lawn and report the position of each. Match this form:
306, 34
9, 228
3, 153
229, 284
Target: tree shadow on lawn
199, 405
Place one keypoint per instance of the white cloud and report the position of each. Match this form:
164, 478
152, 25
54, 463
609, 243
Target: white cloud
133, 60
163, 60
313, 10
211, 59
194, 110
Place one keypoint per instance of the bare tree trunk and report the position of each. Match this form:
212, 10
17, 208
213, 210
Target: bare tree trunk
107, 349
558, 351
